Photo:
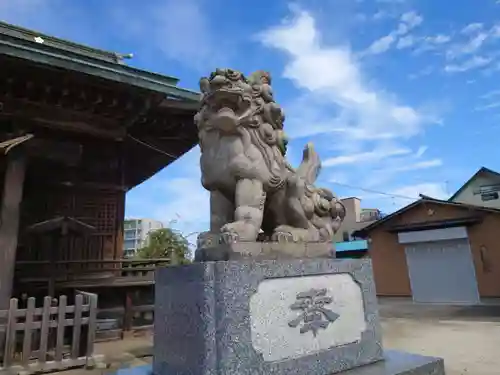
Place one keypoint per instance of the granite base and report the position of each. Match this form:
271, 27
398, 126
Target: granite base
274, 317
242, 318
395, 363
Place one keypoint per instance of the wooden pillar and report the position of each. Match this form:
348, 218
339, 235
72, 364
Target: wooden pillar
9, 223
128, 315
120, 206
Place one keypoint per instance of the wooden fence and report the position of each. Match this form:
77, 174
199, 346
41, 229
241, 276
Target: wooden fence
53, 337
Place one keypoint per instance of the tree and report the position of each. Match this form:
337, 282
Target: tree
166, 243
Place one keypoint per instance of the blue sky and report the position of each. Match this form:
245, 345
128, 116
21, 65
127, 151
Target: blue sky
400, 97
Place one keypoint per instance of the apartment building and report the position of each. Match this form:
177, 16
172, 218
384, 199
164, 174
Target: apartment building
356, 218
136, 232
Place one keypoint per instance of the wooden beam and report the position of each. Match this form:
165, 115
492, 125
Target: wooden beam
190, 106
69, 153
89, 185
61, 118
9, 222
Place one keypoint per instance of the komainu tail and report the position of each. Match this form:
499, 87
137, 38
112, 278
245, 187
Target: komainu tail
311, 165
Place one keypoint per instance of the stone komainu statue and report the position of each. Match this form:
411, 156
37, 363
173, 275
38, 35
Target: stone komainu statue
255, 193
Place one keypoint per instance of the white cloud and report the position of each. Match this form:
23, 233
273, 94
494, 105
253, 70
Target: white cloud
478, 37
400, 197
495, 31
360, 17
188, 205
421, 73
186, 201
397, 166
195, 42
438, 39
471, 46
332, 74
391, 200
421, 150
160, 24
432, 189
491, 94
431, 43
406, 42
381, 45
472, 28
473, 63
408, 22
175, 196
488, 106
365, 157
420, 165
411, 19
380, 15
14, 8
368, 126
157, 22
340, 178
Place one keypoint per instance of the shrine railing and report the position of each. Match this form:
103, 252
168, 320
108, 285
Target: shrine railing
54, 336
123, 310
68, 271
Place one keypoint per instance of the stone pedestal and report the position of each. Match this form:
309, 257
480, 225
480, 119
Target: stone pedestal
265, 251
269, 317
211, 249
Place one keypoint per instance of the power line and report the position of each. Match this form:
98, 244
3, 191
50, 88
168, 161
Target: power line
151, 147
335, 183
375, 191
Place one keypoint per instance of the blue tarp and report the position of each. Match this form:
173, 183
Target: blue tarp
138, 370
359, 245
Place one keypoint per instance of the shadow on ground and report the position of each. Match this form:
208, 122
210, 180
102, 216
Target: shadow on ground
405, 308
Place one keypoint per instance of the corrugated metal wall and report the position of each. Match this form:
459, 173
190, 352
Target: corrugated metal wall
442, 272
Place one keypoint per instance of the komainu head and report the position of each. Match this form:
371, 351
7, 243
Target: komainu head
230, 101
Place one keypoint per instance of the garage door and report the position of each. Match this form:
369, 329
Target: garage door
442, 272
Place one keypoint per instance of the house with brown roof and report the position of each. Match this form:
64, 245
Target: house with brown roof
440, 251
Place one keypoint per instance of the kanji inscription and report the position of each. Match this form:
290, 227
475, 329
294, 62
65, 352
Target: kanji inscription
314, 315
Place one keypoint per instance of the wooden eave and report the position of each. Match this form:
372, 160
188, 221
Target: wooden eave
163, 139
20, 43
73, 89
436, 224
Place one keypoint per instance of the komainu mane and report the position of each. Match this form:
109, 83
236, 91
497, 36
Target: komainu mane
254, 192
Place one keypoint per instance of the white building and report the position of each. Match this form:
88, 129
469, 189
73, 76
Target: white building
135, 232
482, 189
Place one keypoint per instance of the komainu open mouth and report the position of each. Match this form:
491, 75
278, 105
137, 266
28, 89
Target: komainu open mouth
227, 104
226, 98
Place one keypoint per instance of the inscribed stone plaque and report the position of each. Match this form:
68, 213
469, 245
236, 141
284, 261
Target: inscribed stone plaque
286, 317
297, 316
